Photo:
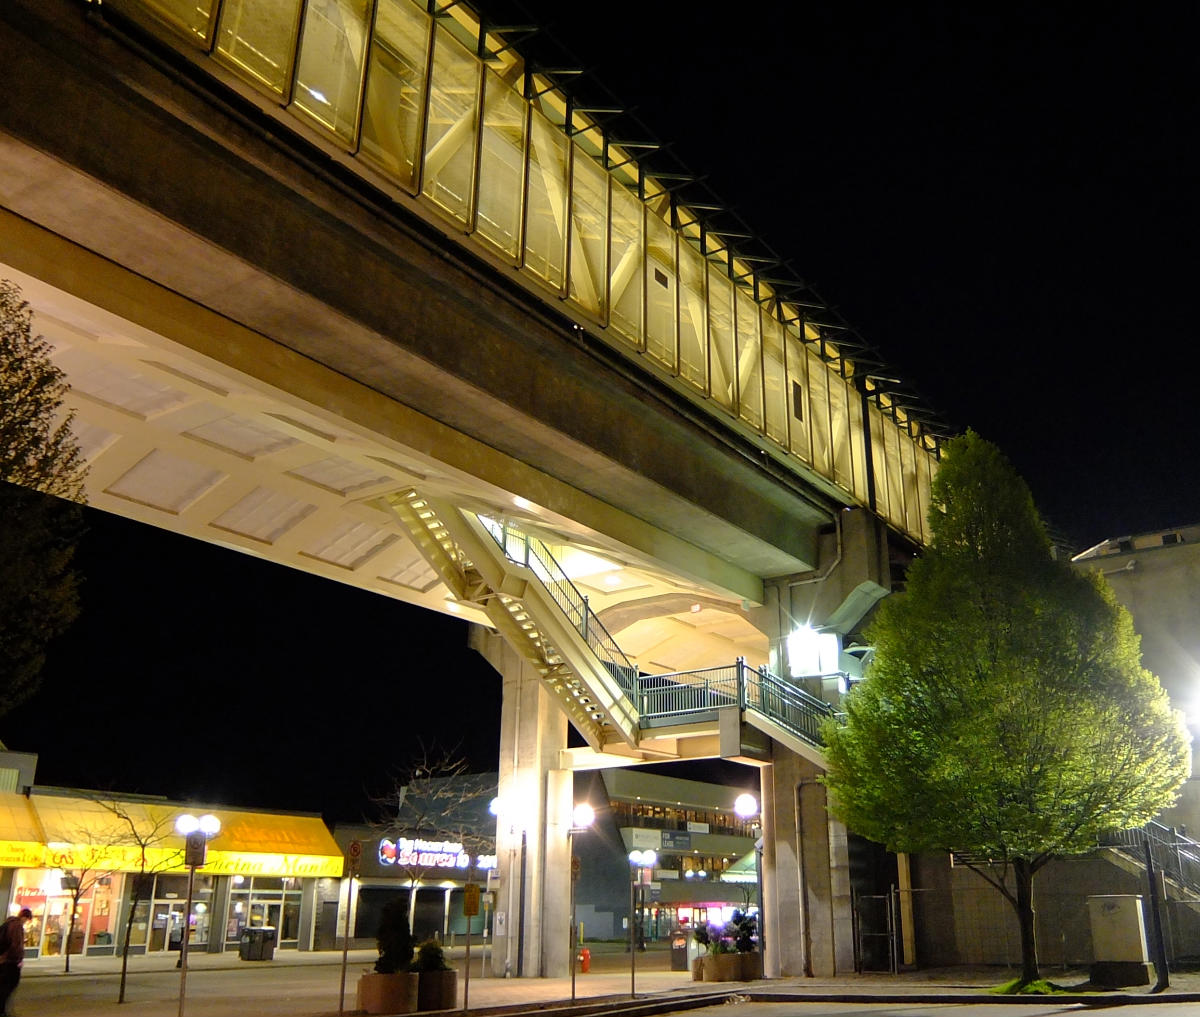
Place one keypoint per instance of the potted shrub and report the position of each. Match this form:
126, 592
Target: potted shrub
437, 988
743, 926
728, 962
390, 988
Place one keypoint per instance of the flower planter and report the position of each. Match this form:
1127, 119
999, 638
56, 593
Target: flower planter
751, 966
697, 969
438, 990
709, 969
729, 967
387, 993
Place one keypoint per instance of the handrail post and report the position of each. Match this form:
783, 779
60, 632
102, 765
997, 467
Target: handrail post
741, 682
583, 625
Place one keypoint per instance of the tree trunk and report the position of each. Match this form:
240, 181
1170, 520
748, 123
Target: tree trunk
134, 896
1023, 875
70, 935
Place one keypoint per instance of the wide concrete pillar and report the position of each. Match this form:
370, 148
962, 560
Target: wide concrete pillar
806, 874
531, 828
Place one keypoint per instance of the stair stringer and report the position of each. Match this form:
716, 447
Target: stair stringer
518, 581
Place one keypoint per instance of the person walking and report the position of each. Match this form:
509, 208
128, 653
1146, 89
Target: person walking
12, 954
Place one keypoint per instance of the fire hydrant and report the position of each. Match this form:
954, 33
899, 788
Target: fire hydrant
585, 960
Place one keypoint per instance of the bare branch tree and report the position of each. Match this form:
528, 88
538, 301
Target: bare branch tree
433, 804
145, 828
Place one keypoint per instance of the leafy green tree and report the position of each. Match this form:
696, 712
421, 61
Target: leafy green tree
41, 475
1006, 714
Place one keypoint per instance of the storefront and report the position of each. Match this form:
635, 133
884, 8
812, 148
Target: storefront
117, 863
428, 875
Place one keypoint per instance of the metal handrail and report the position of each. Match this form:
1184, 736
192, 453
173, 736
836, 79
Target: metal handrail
1173, 853
685, 693
790, 707
535, 555
663, 696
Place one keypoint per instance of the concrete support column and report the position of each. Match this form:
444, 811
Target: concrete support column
784, 923
826, 869
533, 731
556, 917
806, 874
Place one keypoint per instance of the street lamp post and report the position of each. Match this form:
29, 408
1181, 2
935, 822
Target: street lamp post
196, 833
503, 810
643, 866
581, 818
745, 806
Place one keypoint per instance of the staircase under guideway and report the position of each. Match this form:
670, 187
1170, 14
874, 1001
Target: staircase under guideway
527, 596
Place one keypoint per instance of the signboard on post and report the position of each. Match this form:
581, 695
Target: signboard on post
470, 900
353, 857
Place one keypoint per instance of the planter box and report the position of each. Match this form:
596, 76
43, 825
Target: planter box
751, 966
698, 969
708, 967
438, 990
387, 993
729, 967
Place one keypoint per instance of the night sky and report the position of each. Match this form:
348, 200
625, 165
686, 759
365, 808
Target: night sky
1002, 202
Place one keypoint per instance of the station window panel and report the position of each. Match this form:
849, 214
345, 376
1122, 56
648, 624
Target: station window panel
449, 163
749, 358
192, 17
589, 221
546, 203
391, 129
895, 474
927, 470
797, 390
818, 411
839, 431
775, 406
722, 359
501, 159
857, 445
329, 69
693, 359
257, 38
879, 461
625, 264
908, 466
660, 291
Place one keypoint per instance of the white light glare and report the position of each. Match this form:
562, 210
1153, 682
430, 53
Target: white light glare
812, 653
208, 824
583, 816
745, 805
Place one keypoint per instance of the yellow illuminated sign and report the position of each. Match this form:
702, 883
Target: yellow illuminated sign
240, 863
21, 854
122, 858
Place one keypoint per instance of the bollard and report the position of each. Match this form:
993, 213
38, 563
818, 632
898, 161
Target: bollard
585, 960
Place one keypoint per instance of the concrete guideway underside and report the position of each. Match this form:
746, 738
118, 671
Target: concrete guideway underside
265, 355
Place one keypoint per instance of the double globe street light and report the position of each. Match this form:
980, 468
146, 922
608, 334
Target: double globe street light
643, 863
196, 831
582, 817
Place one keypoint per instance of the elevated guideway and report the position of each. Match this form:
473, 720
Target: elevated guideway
358, 289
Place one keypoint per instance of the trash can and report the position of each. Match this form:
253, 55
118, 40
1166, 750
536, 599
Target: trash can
258, 943
679, 951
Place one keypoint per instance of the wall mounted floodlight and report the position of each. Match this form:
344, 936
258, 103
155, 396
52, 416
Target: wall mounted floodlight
812, 653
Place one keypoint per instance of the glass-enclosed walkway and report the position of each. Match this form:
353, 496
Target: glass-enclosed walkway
447, 113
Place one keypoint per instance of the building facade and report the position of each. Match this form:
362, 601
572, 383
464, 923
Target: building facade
115, 862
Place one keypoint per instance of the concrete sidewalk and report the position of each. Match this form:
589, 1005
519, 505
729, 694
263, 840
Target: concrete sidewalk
607, 986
